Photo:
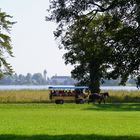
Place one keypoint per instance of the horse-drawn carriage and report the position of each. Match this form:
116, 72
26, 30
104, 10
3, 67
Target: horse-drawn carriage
77, 94
61, 94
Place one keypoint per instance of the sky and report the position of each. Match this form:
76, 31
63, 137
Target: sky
34, 46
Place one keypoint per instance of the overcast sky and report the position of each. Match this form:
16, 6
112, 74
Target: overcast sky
34, 45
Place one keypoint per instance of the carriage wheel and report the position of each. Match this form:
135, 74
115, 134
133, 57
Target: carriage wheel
80, 101
59, 101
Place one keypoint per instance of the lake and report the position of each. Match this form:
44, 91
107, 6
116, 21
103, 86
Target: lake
45, 87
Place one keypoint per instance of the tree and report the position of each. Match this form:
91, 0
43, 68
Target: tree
38, 79
89, 51
114, 40
5, 44
28, 78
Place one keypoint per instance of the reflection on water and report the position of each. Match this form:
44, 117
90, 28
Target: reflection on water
44, 87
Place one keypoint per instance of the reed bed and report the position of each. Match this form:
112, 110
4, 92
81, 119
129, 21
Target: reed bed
42, 96
24, 96
124, 96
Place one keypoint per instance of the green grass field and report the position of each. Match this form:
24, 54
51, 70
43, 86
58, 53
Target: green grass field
70, 121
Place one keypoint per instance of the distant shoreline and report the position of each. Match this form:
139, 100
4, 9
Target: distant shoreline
45, 87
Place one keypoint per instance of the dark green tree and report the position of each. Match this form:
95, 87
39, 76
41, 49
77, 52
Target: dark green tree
89, 50
107, 47
5, 44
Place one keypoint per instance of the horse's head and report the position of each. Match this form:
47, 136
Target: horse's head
106, 94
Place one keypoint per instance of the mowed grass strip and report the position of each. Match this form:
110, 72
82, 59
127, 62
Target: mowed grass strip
69, 122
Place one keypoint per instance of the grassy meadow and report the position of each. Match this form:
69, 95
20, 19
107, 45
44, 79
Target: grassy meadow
69, 121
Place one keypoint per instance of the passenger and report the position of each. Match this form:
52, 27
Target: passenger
59, 92
62, 92
66, 93
69, 93
73, 93
53, 93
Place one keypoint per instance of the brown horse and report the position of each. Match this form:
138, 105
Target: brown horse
99, 97
104, 95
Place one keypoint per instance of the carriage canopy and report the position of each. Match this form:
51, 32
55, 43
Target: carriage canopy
67, 87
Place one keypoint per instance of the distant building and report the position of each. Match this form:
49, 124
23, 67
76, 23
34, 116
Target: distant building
62, 80
45, 75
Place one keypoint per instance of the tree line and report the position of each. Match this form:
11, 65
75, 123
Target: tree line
39, 79
28, 79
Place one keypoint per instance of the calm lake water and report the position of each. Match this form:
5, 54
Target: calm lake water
44, 87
